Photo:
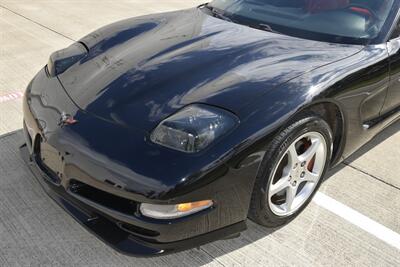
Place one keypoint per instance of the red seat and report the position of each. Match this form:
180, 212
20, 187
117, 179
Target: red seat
314, 6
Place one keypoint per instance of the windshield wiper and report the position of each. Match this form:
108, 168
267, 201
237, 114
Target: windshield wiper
217, 13
264, 27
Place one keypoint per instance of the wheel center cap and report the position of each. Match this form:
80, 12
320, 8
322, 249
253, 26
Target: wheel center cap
297, 172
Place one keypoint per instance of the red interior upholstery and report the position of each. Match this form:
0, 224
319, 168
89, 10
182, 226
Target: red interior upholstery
361, 10
314, 6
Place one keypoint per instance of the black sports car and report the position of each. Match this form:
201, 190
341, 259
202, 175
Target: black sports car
168, 131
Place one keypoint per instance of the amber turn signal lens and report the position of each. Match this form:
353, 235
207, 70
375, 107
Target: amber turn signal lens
164, 212
185, 207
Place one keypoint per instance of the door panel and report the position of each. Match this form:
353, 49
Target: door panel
393, 96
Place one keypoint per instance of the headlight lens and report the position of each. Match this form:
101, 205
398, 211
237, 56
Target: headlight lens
194, 128
173, 211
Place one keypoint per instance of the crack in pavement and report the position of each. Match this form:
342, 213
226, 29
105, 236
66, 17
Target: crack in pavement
37, 23
370, 175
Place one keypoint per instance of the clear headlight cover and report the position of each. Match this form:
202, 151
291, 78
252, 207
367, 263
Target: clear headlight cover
193, 128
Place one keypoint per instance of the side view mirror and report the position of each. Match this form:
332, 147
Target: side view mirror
393, 46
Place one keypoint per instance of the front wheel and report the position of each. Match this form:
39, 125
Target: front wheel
292, 171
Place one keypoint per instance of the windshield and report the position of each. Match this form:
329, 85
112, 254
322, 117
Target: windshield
340, 21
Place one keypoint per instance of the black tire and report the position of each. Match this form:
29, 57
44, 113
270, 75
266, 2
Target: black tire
260, 211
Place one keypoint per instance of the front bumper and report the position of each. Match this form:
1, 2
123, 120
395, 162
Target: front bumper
91, 180
107, 229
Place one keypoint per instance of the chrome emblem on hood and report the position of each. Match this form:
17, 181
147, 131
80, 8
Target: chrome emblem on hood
66, 119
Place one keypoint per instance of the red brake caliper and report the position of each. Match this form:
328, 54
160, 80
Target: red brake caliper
310, 165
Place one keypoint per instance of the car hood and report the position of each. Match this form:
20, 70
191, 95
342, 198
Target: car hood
139, 71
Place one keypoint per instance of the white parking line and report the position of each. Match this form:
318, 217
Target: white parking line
11, 96
383, 233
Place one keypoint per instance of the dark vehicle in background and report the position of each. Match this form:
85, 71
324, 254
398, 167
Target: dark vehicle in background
168, 131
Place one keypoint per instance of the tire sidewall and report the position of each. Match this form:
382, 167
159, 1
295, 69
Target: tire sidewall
276, 152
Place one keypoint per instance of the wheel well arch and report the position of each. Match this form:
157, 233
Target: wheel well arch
333, 115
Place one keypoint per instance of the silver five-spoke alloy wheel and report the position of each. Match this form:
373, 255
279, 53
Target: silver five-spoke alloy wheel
297, 174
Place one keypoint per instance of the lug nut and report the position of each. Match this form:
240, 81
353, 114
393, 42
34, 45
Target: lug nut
295, 166
303, 164
302, 174
294, 183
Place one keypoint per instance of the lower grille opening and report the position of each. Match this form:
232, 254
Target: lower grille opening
133, 229
113, 202
103, 198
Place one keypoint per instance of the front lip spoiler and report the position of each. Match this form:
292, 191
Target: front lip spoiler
108, 231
